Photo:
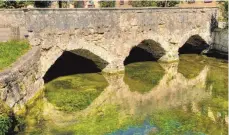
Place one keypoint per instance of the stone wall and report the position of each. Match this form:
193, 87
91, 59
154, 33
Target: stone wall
21, 81
221, 40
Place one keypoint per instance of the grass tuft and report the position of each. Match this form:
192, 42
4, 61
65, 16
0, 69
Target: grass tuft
10, 51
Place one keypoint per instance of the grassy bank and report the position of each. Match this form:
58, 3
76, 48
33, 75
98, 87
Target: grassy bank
10, 51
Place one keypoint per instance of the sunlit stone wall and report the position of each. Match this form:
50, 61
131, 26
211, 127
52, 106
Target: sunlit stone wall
110, 33
21, 81
221, 40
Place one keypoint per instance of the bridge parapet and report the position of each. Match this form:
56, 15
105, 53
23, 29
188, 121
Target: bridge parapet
114, 30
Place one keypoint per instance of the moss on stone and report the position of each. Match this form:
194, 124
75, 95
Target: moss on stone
143, 76
76, 92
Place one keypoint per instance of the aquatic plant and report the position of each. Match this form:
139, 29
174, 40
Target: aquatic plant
143, 76
76, 92
190, 65
181, 122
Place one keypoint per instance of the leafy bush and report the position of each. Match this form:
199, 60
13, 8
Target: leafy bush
5, 121
5, 124
143, 3
15, 4
107, 3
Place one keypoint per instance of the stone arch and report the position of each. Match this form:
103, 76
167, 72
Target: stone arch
73, 62
194, 44
154, 49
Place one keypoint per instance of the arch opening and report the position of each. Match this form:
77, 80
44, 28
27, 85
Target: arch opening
74, 62
194, 45
147, 50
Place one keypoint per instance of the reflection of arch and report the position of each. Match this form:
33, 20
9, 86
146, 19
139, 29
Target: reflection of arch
73, 62
194, 44
147, 50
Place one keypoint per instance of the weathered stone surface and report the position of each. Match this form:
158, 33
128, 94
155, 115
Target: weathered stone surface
19, 83
220, 37
110, 33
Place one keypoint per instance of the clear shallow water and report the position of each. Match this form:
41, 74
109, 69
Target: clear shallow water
189, 97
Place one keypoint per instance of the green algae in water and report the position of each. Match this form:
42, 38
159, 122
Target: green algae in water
143, 76
111, 116
105, 119
190, 65
75, 92
177, 121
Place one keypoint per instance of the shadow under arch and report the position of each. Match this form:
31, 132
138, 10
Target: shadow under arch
147, 50
75, 62
194, 45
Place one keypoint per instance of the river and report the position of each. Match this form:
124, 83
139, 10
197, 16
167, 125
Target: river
188, 97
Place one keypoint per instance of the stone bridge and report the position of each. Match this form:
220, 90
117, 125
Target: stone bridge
105, 36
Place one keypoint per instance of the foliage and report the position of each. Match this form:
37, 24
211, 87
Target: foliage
5, 124
10, 51
143, 3
5, 121
76, 92
167, 3
143, 76
107, 3
15, 4
154, 3
79, 4
42, 4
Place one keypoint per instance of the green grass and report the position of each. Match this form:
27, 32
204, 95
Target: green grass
10, 51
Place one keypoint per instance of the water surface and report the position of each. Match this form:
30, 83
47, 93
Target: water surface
189, 98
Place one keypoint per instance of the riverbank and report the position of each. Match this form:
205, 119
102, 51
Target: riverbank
10, 51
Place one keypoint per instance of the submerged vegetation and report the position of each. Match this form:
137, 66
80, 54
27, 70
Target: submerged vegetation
143, 76
62, 108
10, 51
76, 92
191, 65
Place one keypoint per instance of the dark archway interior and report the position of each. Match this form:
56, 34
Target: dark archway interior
194, 45
138, 54
69, 63
147, 50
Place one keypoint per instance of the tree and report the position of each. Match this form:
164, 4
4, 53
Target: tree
14, 4
164, 3
143, 3
167, 3
107, 3
42, 4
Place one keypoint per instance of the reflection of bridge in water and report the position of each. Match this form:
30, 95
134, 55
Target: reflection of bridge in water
173, 90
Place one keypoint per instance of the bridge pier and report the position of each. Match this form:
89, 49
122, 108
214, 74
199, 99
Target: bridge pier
115, 66
170, 56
